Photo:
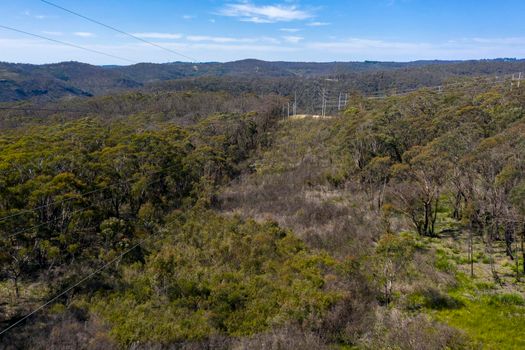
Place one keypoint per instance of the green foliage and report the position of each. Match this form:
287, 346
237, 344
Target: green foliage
213, 275
493, 320
437, 300
392, 261
443, 261
99, 184
495, 326
506, 299
447, 164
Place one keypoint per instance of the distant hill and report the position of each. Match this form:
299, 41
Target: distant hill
50, 81
53, 81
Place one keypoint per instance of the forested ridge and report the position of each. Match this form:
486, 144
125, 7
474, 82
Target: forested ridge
398, 223
50, 82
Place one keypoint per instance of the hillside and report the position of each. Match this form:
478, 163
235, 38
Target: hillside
207, 220
54, 81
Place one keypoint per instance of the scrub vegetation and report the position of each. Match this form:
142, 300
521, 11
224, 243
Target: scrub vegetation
397, 224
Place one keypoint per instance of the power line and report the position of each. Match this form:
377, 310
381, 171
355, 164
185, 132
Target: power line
118, 30
66, 43
100, 269
333, 102
489, 80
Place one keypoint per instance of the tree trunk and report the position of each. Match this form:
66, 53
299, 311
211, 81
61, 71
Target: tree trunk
17, 289
509, 239
517, 260
471, 252
434, 217
495, 275
457, 206
426, 224
523, 250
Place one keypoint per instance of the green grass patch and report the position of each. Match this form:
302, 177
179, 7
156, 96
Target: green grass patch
505, 299
495, 326
494, 321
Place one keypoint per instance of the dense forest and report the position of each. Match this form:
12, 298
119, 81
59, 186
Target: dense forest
204, 218
71, 79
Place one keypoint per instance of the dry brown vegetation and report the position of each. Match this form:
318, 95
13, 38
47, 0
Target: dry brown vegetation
361, 238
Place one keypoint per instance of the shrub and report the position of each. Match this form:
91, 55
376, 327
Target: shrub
218, 276
394, 330
435, 299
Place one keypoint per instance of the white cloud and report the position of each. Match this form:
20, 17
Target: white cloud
53, 33
268, 39
353, 49
36, 16
245, 50
217, 39
318, 24
84, 34
499, 41
188, 17
352, 44
290, 30
293, 39
225, 39
153, 35
350, 49
249, 12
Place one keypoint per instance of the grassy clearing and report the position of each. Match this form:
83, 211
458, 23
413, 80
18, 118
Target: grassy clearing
490, 316
490, 313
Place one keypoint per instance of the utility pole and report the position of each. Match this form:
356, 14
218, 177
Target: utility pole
519, 80
323, 102
288, 110
513, 79
295, 103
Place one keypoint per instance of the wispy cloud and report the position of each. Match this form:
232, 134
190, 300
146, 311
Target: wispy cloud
249, 12
293, 39
352, 44
53, 33
499, 41
318, 24
290, 30
35, 16
225, 39
154, 35
243, 50
188, 17
350, 49
218, 39
84, 34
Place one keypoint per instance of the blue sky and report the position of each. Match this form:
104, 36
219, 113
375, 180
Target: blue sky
291, 30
